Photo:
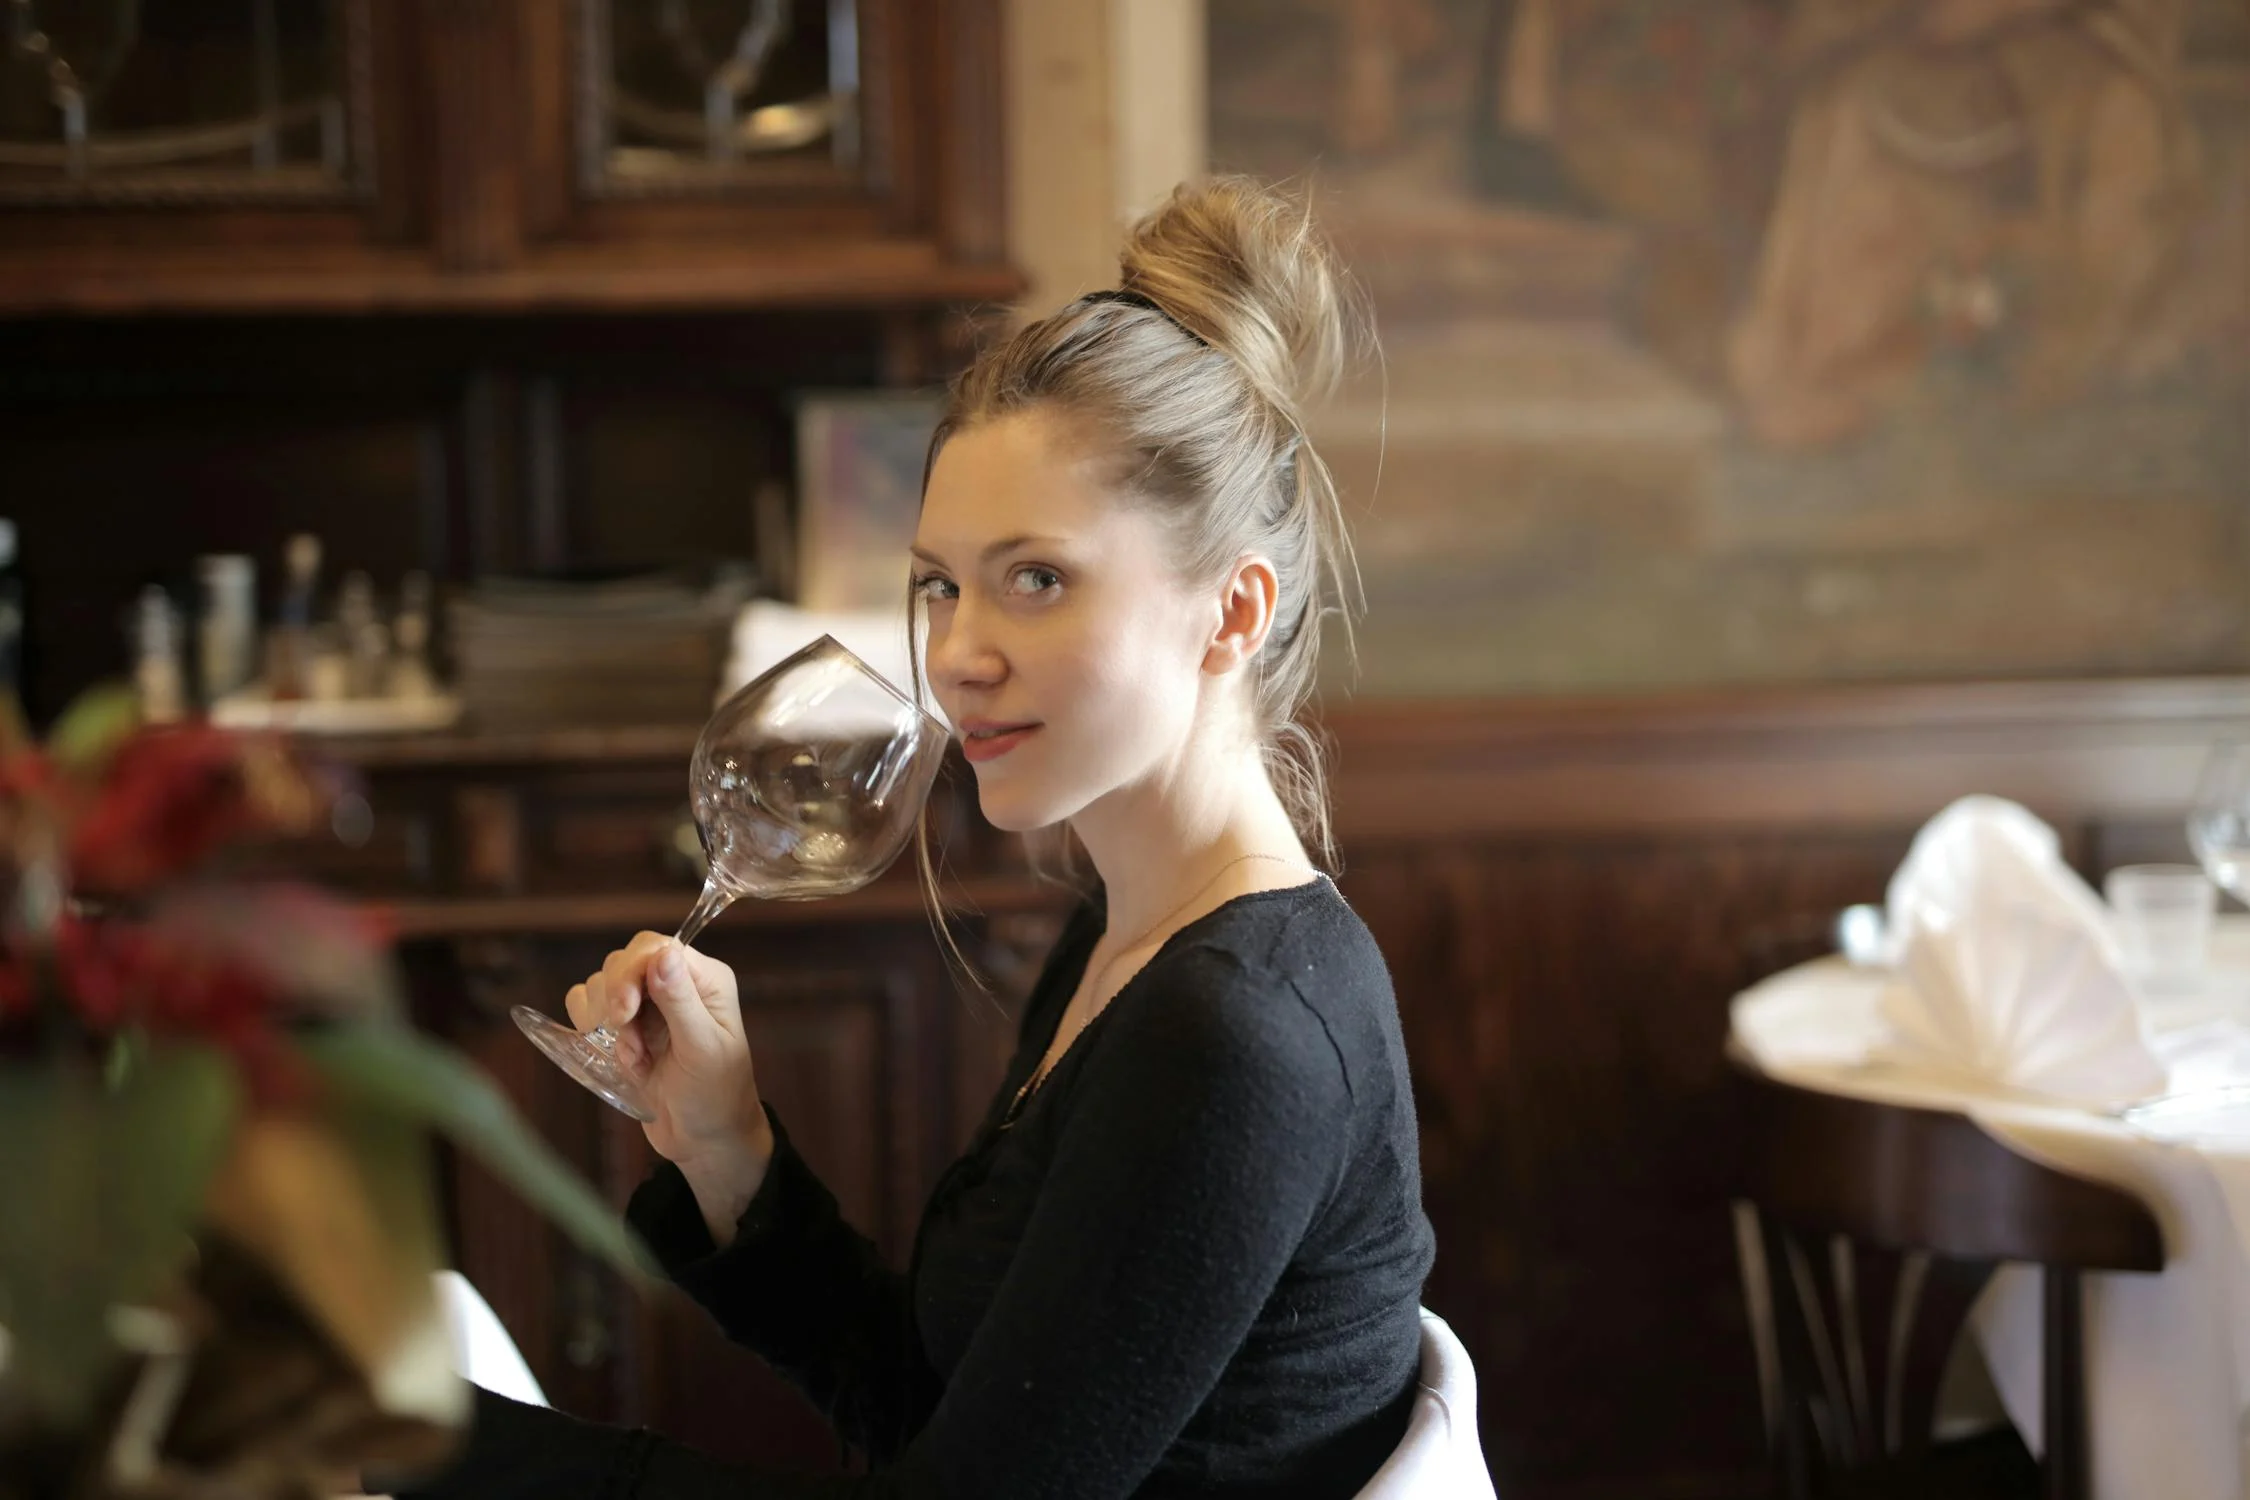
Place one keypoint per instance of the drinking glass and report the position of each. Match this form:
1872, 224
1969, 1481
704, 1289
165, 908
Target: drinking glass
2218, 826
2162, 917
806, 783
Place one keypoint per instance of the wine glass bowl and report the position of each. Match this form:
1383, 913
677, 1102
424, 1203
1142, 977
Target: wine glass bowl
806, 783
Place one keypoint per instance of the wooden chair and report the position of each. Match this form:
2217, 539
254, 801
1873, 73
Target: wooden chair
1875, 1227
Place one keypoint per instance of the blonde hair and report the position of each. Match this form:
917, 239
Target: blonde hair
1232, 315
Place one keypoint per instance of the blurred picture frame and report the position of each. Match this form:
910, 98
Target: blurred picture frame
859, 492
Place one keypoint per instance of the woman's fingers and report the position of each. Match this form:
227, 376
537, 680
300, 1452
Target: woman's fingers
623, 979
681, 1001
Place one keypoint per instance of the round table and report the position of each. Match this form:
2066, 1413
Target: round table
2167, 1356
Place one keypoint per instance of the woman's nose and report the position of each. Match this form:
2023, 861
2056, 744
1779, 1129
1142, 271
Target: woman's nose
961, 651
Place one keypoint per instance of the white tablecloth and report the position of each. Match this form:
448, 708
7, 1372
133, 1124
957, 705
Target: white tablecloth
2168, 1356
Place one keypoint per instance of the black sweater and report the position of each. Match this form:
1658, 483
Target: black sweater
1189, 1265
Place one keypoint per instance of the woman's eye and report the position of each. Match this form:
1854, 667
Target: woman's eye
931, 588
1033, 580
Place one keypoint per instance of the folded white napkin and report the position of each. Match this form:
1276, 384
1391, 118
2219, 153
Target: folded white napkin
2006, 972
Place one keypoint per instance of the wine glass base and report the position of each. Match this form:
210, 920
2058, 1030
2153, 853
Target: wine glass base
593, 1065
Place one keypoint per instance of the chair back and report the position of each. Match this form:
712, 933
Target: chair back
483, 1354
1873, 1229
1440, 1457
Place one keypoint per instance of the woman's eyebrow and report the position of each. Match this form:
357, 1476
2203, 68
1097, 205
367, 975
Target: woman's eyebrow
1005, 545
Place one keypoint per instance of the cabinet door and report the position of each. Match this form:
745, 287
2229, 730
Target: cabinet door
199, 151
246, 156
728, 150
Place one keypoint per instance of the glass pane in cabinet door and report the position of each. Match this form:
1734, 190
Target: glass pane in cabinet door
686, 96
183, 101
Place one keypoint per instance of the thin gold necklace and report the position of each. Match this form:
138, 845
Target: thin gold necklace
1039, 1075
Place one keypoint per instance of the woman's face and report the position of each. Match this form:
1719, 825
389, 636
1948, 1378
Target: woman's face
1063, 644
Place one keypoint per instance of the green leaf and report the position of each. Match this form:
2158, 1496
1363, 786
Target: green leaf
394, 1068
103, 1188
96, 722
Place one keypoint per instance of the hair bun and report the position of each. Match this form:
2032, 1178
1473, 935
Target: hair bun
1240, 265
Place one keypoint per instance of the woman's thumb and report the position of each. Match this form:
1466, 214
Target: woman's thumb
673, 988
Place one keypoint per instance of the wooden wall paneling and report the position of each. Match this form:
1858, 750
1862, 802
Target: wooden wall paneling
1852, 756
1564, 1005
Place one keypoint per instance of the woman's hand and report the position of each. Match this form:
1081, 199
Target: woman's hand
688, 1046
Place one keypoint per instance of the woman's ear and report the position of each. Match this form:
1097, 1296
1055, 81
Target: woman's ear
1246, 603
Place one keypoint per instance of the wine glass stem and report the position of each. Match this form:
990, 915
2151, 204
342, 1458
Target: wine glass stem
708, 905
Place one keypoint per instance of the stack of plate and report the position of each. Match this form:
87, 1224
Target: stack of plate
634, 651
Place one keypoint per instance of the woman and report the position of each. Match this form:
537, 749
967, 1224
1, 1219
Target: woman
1184, 1253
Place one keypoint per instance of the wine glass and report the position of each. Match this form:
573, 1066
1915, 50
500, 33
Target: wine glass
806, 783
2218, 827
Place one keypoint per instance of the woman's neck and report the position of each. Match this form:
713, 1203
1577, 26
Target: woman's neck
1158, 843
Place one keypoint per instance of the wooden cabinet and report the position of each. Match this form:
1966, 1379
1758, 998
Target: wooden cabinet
607, 239
231, 156
204, 142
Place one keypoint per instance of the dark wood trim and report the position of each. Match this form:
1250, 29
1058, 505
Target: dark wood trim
550, 122
1831, 757
807, 273
470, 53
971, 176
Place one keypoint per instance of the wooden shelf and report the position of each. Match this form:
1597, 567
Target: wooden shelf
661, 911
452, 749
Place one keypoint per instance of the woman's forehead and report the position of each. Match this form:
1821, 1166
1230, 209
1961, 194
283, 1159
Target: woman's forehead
1018, 475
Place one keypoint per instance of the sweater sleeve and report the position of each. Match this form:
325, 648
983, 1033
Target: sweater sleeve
804, 1290
1202, 1141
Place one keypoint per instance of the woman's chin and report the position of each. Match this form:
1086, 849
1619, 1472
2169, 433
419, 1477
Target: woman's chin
1003, 813
1011, 810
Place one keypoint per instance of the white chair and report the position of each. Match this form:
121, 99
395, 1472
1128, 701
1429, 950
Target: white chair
482, 1351
1440, 1457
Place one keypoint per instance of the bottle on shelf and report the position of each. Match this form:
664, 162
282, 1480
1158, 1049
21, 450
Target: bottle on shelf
289, 650
227, 633
412, 677
159, 673
366, 639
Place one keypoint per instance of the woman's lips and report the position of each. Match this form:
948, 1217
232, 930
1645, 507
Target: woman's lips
980, 744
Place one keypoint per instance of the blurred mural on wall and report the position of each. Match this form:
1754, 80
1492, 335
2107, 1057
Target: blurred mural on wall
1778, 340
